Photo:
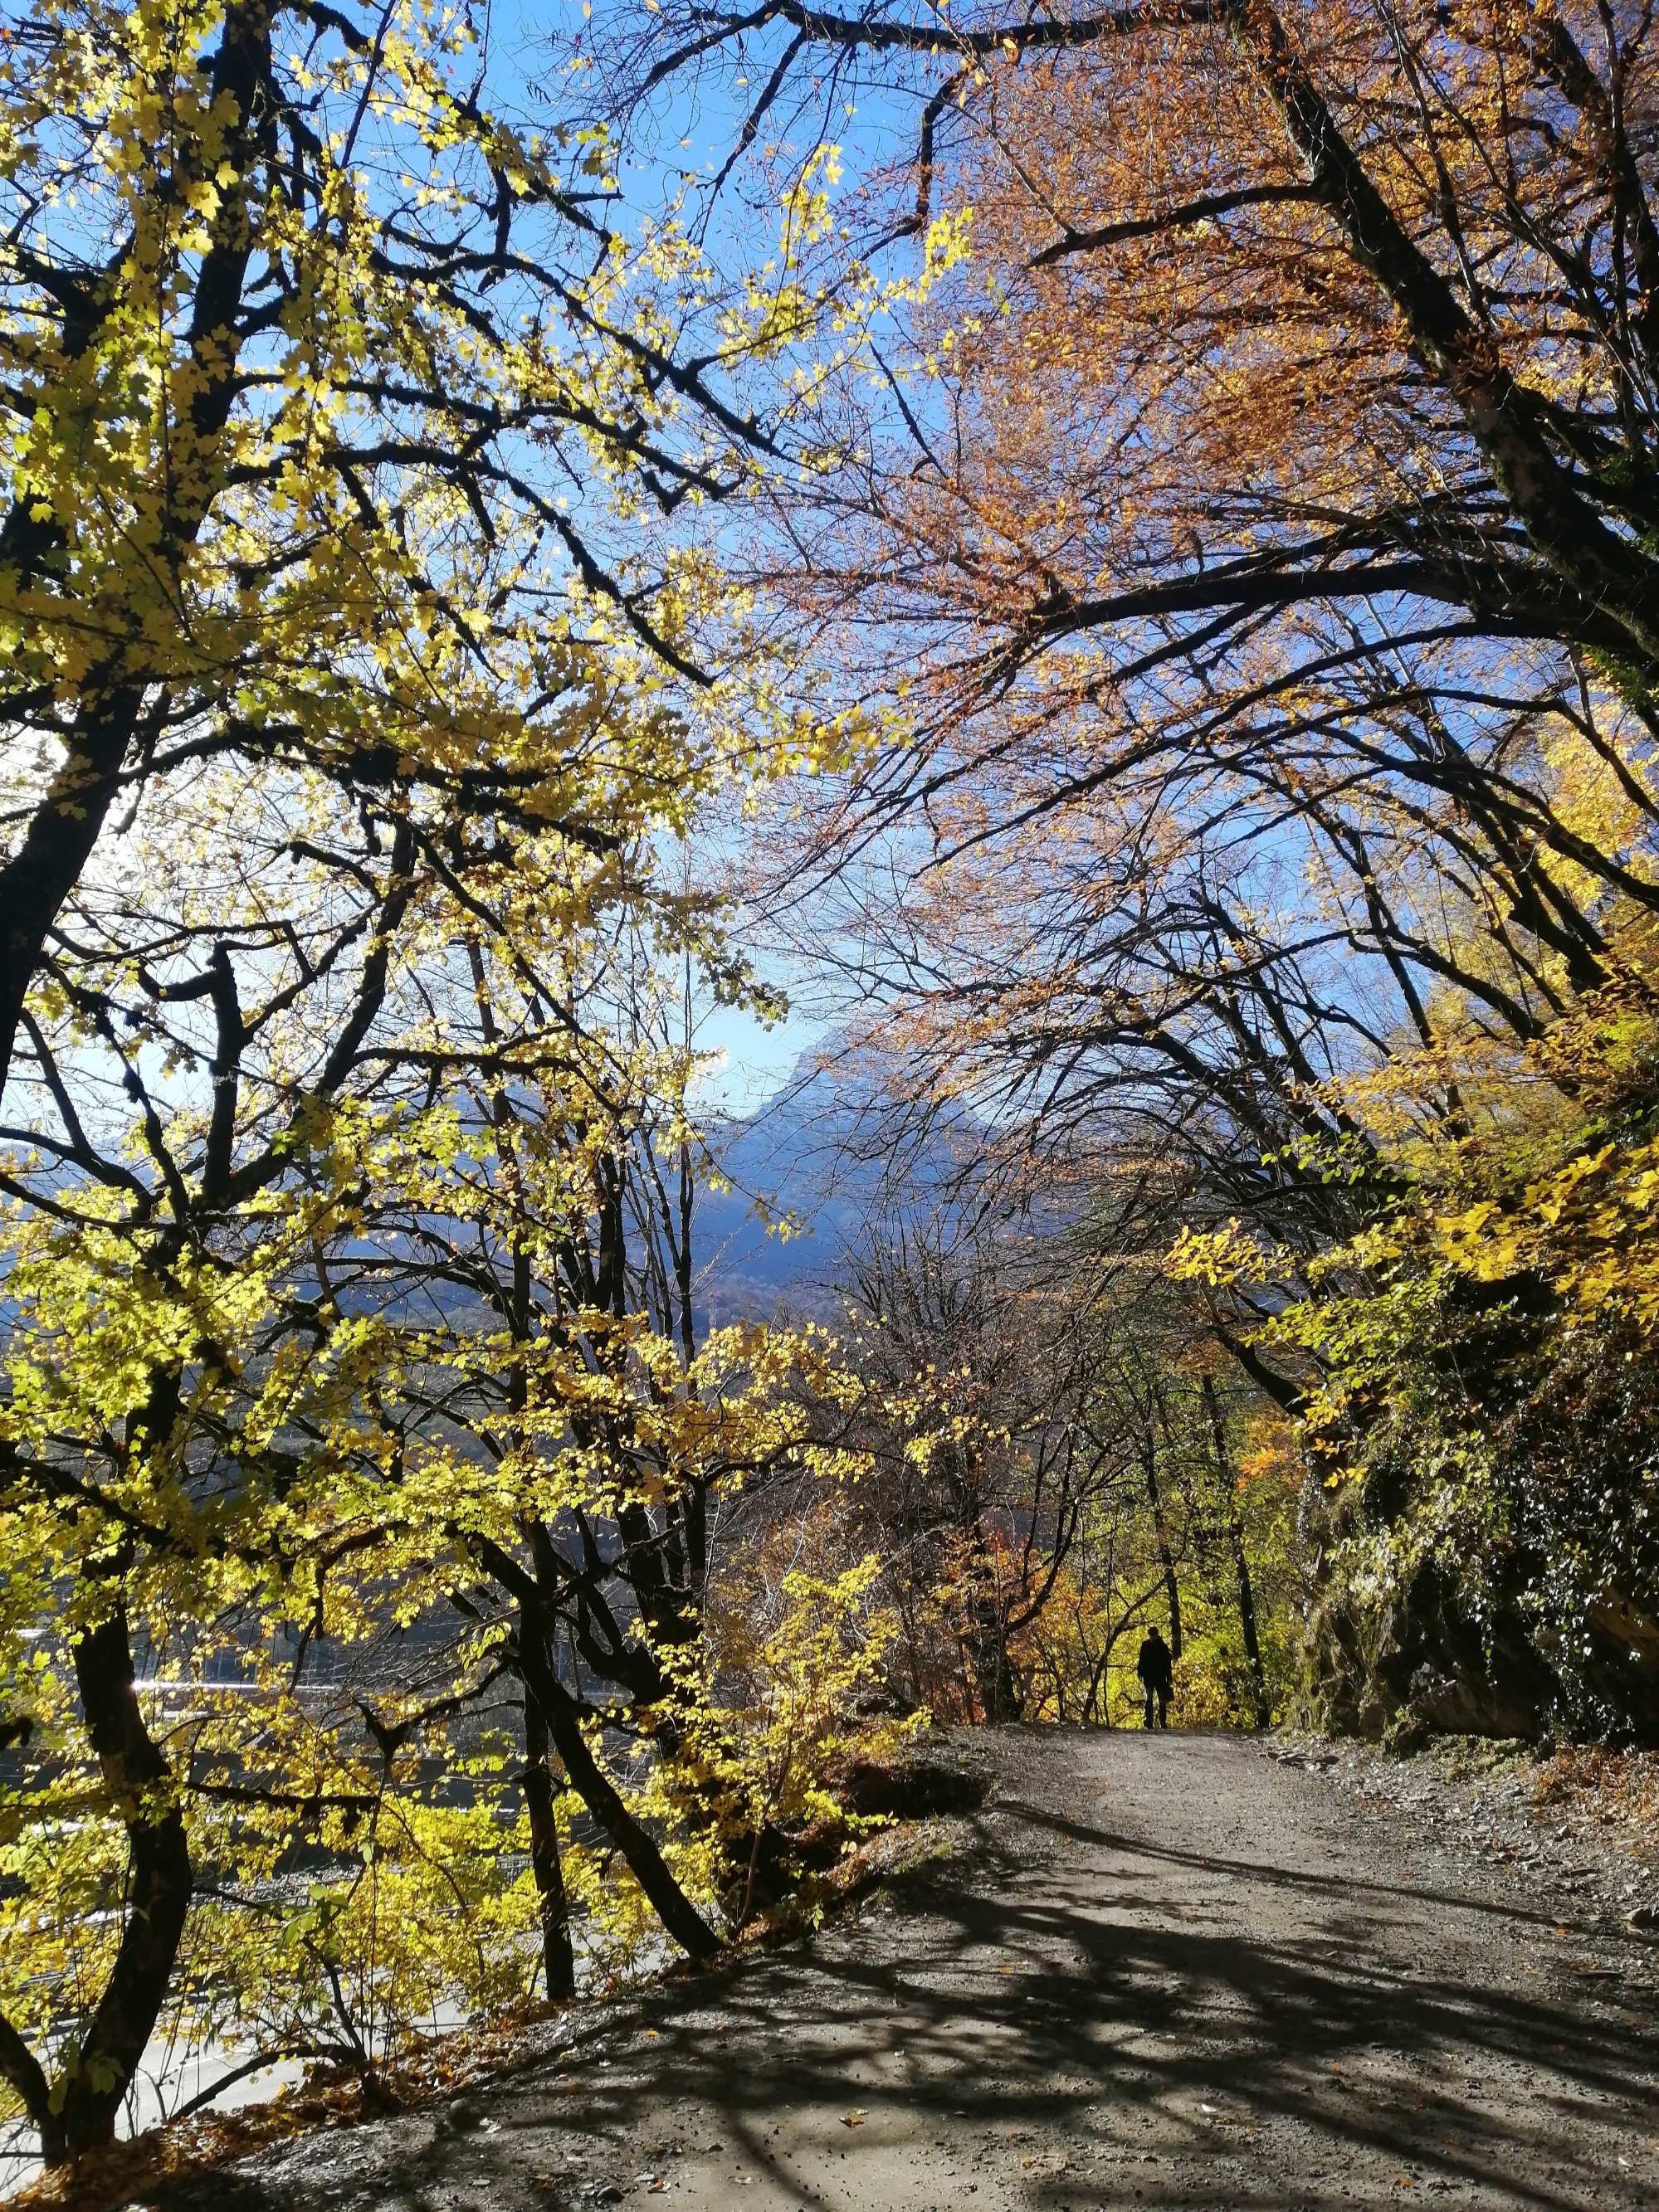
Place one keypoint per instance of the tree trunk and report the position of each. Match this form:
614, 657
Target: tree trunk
20, 2067
998, 1689
1165, 1557
99, 2072
558, 1955
645, 1862
58, 844
1240, 1565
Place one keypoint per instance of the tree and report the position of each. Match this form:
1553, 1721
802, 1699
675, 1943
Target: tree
1477, 1414
293, 324
181, 1376
351, 641
323, 1359
1238, 524
985, 1350
1275, 776
1410, 209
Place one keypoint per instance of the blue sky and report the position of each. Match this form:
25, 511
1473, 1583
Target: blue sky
752, 1059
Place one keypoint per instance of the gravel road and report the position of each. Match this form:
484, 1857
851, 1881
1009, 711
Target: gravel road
1158, 1970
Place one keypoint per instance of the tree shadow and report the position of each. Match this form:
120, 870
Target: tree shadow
1336, 2046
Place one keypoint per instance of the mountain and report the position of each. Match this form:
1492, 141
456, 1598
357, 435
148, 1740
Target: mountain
833, 1150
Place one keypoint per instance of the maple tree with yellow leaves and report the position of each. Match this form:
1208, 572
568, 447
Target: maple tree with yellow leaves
353, 1508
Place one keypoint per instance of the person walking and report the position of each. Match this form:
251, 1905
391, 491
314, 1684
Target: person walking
1157, 1673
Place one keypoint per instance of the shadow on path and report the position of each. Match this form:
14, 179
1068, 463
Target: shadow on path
1191, 2029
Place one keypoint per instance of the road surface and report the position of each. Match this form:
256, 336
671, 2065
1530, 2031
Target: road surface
1159, 1971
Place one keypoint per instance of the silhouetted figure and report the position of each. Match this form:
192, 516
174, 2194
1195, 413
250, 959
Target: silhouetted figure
1157, 1677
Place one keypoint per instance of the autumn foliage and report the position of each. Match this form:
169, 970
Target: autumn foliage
1244, 533
1125, 544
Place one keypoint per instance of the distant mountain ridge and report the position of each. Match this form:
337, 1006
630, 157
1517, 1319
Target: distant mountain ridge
828, 1150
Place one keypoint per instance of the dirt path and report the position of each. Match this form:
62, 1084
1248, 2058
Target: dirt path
1162, 1972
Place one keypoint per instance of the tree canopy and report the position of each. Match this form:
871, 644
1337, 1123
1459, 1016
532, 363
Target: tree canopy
1120, 544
